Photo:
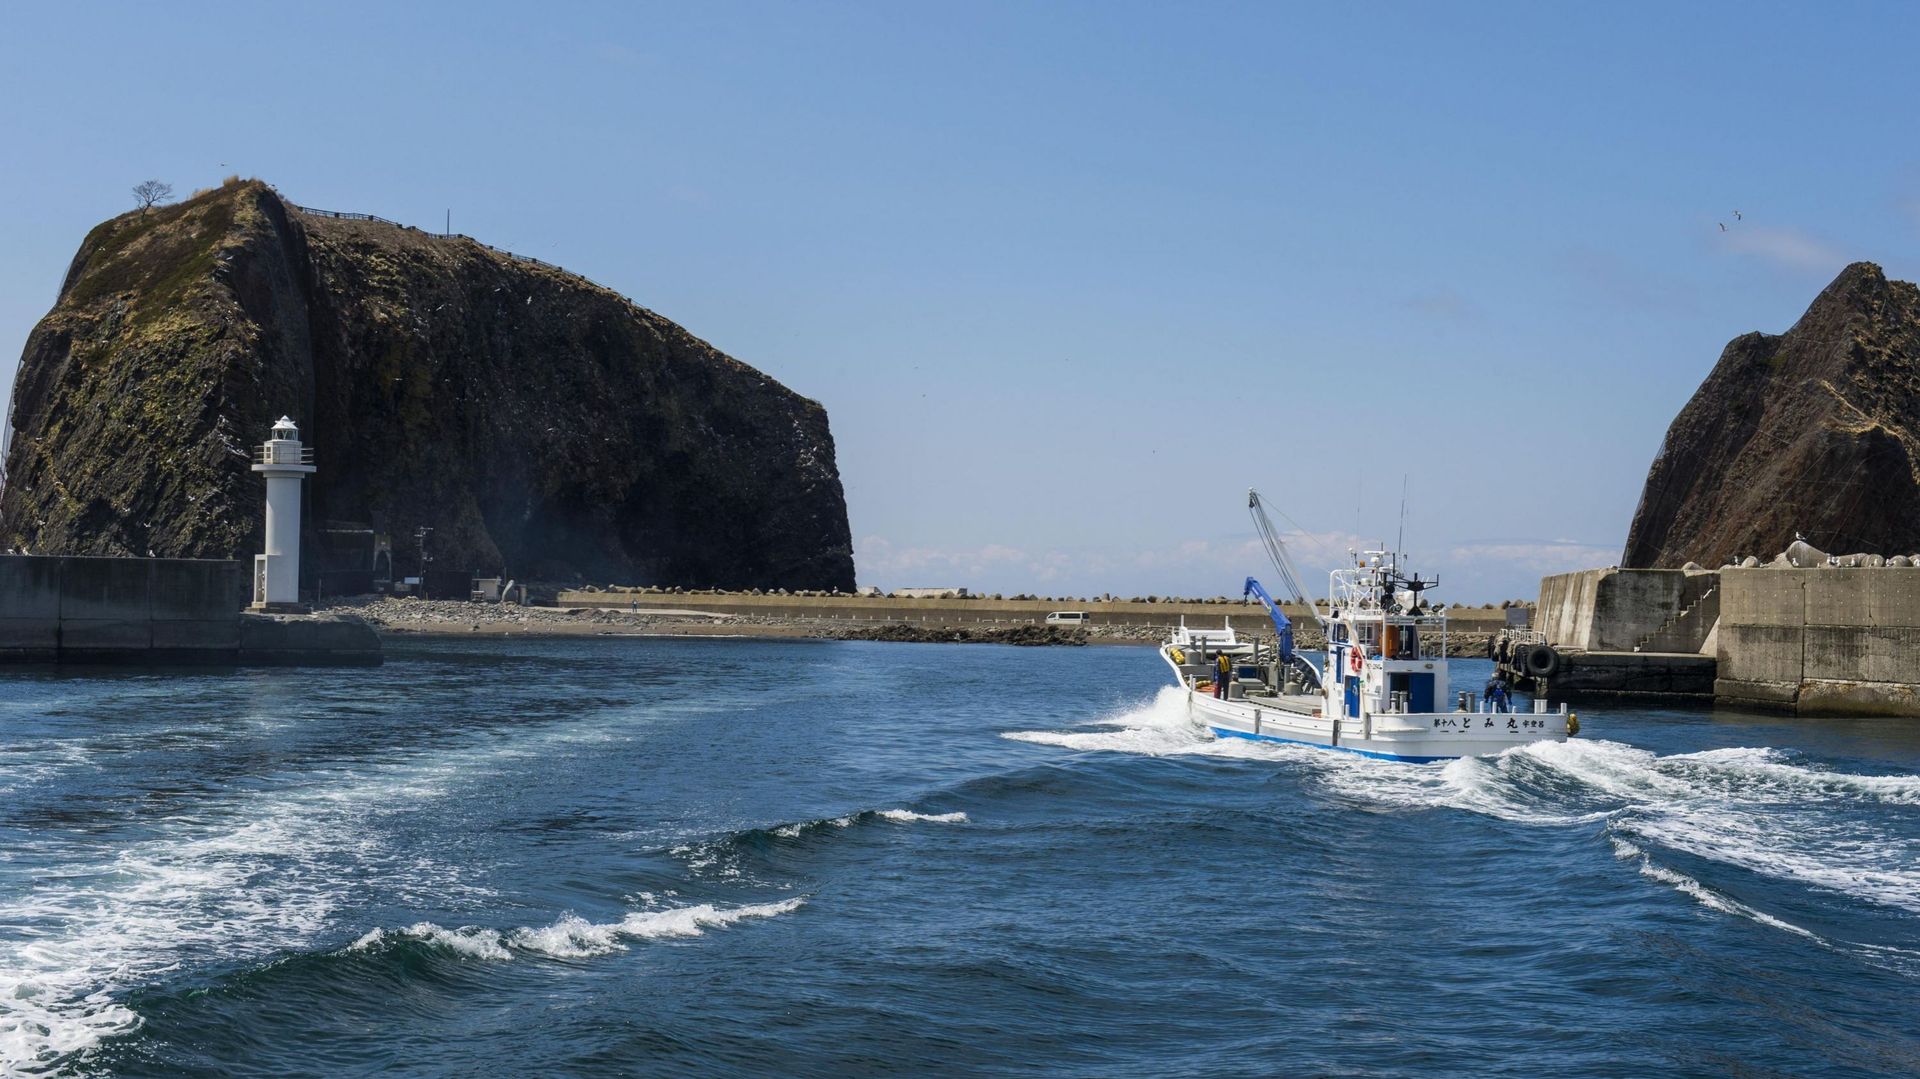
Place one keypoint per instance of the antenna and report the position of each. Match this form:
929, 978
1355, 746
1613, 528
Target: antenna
1359, 499
1400, 541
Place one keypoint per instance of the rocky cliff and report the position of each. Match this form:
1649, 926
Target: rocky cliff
538, 423
1815, 431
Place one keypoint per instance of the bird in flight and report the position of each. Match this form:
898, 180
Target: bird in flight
1723, 226
1736, 215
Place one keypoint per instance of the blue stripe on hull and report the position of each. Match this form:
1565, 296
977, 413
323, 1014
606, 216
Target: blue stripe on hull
1229, 732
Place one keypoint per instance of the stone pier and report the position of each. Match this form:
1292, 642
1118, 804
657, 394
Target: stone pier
158, 611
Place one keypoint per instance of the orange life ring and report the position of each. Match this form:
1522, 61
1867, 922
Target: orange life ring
1356, 662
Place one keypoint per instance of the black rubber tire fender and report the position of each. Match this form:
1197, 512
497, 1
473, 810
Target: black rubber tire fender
1543, 661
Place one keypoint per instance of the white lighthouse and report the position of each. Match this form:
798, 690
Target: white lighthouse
276, 572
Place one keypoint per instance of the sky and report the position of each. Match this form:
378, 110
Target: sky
1070, 278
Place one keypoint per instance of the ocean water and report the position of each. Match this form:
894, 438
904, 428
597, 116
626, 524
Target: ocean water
711, 857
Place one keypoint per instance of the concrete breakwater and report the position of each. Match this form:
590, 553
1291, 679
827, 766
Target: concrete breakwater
1829, 640
1838, 640
160, 611
1107, 620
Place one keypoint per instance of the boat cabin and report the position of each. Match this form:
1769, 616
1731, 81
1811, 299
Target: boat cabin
1386, 646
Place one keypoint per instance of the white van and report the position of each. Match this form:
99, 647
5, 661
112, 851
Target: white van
1067, 618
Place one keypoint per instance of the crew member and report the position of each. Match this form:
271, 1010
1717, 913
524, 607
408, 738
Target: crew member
1497, 694
1225, 666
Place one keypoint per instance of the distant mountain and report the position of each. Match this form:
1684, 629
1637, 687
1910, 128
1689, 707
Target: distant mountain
537, 422
1815, 431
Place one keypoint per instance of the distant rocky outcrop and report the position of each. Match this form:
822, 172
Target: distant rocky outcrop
1812, 433
538, 423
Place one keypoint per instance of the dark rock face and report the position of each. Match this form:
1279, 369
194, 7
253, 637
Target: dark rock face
539, 424
1815, 431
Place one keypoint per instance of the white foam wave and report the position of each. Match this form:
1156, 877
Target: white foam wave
40, 1029
26, 765
236, 878
1704, 895
573, 937
1746, 807
1158, 728
117, 922
907, 815
704, 855
470, 941
795, 831
1849, 858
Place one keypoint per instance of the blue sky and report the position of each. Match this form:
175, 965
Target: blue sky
1069, 278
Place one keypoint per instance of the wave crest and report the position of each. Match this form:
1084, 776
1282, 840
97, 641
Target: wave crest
571, 936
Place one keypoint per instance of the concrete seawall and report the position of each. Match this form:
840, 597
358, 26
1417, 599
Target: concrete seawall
1614, 610
1828, 641
158, 611
1819, 641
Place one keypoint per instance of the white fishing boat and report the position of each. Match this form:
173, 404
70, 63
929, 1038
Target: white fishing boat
1384, 691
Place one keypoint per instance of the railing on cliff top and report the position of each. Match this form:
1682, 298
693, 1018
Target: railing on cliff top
528, 259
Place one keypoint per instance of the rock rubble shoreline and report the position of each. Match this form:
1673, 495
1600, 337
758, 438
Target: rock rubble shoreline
457, 618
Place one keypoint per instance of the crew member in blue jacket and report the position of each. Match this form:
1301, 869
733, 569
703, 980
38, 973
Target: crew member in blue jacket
1497, 694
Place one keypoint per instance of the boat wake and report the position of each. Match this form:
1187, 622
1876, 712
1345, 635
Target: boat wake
278, 882
239, 884
1158, 728
243, 878
573, 937
899, 816
726, 859
1753, 809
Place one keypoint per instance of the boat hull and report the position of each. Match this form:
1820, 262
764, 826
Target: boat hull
1415, 739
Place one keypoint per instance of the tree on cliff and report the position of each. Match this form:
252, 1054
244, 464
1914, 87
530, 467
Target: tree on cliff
148, 192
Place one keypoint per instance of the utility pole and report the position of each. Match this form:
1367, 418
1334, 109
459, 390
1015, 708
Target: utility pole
420, 536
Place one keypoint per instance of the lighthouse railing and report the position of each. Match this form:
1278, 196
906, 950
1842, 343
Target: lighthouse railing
271, 454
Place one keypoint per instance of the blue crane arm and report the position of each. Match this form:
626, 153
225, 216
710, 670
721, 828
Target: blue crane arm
1281, 623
